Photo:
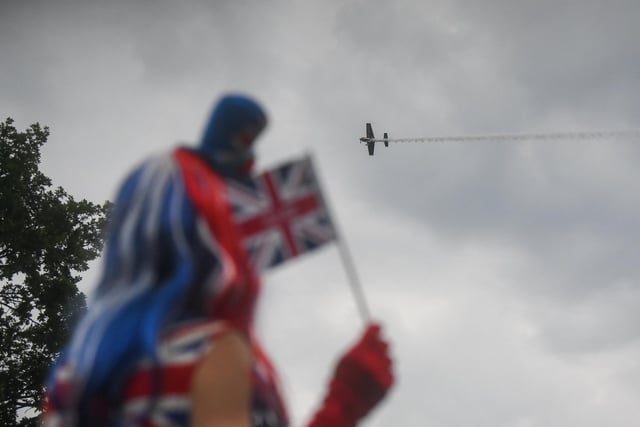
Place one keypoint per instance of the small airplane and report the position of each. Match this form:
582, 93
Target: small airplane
371, 140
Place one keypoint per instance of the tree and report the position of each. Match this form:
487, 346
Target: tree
46, 239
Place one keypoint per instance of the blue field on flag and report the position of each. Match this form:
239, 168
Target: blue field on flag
282, 214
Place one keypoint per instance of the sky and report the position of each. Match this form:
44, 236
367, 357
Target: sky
504, 273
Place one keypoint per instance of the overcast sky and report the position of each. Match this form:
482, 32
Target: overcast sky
505, 273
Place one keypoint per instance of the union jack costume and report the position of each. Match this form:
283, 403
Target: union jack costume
171, 208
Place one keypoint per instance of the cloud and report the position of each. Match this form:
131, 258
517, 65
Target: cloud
504, 272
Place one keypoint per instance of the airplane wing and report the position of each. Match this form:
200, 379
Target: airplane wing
370, 146
369, 131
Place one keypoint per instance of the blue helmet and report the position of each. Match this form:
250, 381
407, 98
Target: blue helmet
227, 141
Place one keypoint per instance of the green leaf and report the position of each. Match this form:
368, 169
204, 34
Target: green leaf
46, 239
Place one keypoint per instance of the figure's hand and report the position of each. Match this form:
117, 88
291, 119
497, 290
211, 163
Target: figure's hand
363, 375
361, 380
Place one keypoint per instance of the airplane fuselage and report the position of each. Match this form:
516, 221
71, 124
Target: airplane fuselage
370, 139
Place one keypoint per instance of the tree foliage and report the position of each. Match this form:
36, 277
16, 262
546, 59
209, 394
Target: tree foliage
46, 239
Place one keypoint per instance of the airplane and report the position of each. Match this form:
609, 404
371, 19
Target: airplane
371, 140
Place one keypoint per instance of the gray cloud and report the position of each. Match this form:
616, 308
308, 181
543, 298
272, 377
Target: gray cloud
504, 272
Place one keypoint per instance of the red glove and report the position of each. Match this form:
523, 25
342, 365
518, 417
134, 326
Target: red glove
361, 379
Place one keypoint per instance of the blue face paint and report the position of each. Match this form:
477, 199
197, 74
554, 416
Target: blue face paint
227, 141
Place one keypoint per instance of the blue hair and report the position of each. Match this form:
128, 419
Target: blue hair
149, 273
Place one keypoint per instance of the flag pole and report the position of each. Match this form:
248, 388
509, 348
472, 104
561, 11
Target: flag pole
354, 281
345, 255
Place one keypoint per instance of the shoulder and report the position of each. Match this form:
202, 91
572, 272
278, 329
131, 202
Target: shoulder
148, 173
220, 386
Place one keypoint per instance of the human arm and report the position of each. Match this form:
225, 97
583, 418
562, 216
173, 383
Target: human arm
360, 381
221, 384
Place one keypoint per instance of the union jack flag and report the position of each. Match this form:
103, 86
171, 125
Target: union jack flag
282, 214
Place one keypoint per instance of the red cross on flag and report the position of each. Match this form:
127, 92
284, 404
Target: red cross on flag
282, 214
